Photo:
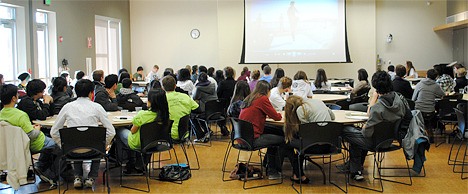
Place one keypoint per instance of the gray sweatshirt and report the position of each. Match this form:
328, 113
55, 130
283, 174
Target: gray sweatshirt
389, 107
203, 94
314, 110
425, 93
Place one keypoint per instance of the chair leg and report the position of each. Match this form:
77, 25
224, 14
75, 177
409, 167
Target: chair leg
345, 175
450, 153
223, 168
226, 157
464, 162
196, 156
107, 176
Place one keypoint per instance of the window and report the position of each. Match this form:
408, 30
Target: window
12, 42
108, 44
46, 45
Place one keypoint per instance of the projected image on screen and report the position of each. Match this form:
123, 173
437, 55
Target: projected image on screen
299, 31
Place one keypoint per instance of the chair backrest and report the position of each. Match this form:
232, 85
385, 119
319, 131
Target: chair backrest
183, 127
154, 134
456, 96
320, 133
446, 106
363, 92
461, 121
214, 109
74, 138
242, 133
384, 134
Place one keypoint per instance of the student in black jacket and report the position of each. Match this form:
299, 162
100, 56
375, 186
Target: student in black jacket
400, 84
105, 96
127, 99
98, 78
32, 105
225, 91
59, 94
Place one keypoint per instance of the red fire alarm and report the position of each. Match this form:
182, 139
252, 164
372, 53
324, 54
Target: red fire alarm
61, 39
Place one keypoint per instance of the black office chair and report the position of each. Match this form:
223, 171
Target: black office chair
91, 138
242, 138
446, 114
154, 138
462, 135
385, 134
184, 139
214, 111
320, 134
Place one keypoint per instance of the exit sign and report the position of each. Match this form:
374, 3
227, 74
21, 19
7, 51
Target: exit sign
47, 2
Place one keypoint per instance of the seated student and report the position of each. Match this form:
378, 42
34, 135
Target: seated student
179, 104
203, 69
254, 79
98, 79
279, 73
424, 97
226, 87
83, 112
444, 80
245, 74
362, 85
130, 139
66, 76
411, 71
24, 78
321, 82
301, 85
219, 76
32, 105
255, 109
266, 74
59, 94
194, 76
210, 73
391, 71
184, 82
204, 92
78, 76
400, 84
122, 76
241, 91
298, 111
105, 96
277, 96
385, 106
460, 80
38, 141
127, 99
138, 76
153, 74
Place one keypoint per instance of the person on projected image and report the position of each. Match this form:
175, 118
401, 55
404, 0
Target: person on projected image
293, 19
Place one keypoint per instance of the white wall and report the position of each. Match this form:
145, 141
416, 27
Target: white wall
411, 23
160, 35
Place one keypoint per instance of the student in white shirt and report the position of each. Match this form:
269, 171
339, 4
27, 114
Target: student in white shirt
184, 81
277, 96
301, 85
153, 74
83, 112
411, 70
391, 71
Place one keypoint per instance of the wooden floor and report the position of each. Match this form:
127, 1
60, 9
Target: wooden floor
439, 179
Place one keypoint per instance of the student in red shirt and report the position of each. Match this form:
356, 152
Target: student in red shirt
255, 109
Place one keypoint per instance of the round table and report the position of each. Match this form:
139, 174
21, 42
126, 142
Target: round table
116, 118
347, 117
329, 97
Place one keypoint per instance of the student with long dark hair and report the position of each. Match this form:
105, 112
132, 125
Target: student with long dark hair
59, 94
321, 81
255, 109
241, 91
158, 111
411, 71
363, 83
279, 73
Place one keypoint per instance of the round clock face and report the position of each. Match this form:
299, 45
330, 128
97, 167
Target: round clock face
195, 33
